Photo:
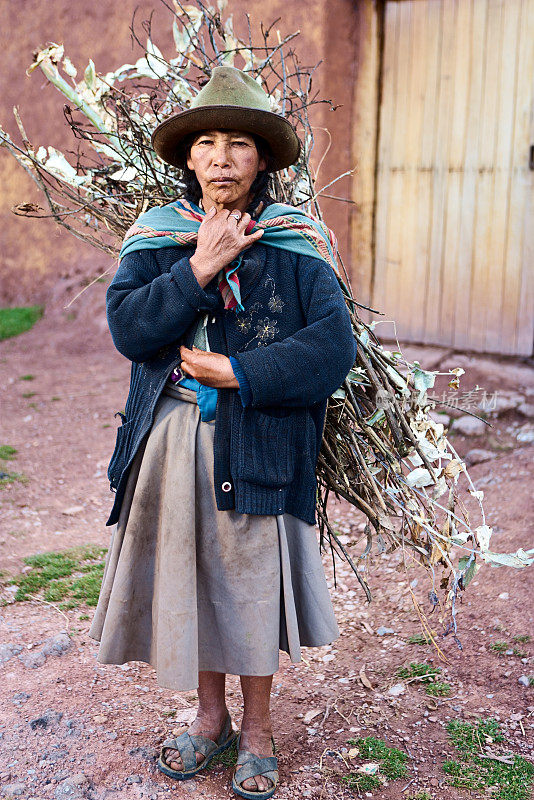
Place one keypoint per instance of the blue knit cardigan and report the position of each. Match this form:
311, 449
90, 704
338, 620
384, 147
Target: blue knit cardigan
291, 348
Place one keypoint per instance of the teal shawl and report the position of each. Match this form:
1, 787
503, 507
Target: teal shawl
284, 226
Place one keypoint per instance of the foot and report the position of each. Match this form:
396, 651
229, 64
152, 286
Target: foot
257, 741
205, 725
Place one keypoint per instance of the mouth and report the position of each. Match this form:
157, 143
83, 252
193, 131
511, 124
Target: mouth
222, 181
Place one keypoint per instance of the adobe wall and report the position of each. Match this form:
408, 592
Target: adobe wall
38, 260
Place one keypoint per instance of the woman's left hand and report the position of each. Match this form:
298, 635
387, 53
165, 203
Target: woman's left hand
210, 369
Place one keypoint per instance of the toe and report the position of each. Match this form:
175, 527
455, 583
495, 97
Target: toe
257, 784
172, 757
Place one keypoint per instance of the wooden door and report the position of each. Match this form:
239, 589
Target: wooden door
454, 226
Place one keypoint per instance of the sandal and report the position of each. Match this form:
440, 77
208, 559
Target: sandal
248, 766
188, 744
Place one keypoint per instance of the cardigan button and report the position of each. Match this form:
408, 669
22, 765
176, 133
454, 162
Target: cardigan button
227, 486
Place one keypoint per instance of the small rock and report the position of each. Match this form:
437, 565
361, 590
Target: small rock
478, 456
397, 690
13, 789
72, 788
504, 596
469, 426
501, 402
47, 720
33, 659
185, 716
309, 715
525, 433
134, 779
524, 680
527, 409
382, 631
8, 649
149, 753
438, 417
20, 697
57, 645
70, 512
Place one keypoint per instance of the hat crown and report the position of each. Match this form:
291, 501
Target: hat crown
229, 86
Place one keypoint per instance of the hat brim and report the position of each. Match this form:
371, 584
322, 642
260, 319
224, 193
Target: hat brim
276, 130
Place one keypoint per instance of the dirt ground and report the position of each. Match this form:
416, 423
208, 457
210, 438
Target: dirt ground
72, 727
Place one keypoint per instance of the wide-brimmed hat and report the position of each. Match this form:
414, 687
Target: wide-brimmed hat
231, 100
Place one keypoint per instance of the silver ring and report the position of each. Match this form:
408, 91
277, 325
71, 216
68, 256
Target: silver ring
236, 215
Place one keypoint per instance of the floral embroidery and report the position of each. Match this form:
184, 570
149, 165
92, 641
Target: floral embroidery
243, 323
266, 329
275, 303
243, 320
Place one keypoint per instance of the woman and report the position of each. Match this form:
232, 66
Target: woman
228, 306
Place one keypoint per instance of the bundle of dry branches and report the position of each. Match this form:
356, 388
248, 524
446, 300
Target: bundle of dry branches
381, 449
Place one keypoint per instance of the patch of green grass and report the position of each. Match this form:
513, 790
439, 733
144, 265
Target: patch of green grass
522, 637
18, 320
27, 395
54, 399
361, 782
69, 577
28, 377
392, 763
418, 638
7, 453
503, 647
422, 795
56, 590
11, 477
425, 672
476, 774
438, 689
227, 759
499, 647
87, 588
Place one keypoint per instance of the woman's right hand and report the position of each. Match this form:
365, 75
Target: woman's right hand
221, 237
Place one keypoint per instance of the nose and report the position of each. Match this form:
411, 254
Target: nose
221, 155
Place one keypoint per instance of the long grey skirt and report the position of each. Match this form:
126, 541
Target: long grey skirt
187, 587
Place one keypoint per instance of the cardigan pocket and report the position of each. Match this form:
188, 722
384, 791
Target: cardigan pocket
116, 464
266, 448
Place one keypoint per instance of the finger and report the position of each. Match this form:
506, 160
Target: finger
210, 214
243, 223
253, 237
235, 216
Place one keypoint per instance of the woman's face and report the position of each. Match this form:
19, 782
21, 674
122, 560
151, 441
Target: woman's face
225, 163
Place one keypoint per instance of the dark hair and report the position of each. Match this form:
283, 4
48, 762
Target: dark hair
261, 185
